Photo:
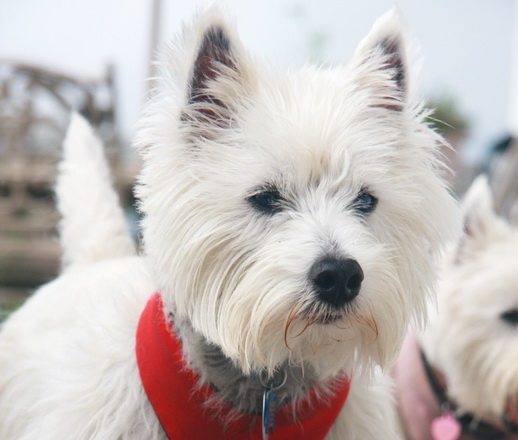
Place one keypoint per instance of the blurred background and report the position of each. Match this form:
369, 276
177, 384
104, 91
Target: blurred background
95, 55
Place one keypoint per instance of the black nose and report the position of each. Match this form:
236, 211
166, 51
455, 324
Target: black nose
336, 281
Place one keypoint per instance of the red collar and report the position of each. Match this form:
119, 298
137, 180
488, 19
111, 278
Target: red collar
179, 403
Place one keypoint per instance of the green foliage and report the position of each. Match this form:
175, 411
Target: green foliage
8, 307
446, 116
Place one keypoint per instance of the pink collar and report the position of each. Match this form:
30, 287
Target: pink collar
419, 394
179, 402
418, 406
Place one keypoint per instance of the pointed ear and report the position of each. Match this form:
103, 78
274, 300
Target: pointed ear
381, 62
479, 218
216, 76
477, 208
214, 58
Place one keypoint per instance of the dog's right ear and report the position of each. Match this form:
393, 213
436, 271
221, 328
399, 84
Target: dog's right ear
479, 219
477, 208
217, 77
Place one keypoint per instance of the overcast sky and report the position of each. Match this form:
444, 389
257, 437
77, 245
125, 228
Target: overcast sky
467, 44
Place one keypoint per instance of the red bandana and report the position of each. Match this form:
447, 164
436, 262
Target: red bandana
179, 405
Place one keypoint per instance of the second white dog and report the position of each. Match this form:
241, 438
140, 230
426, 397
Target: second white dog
462, 382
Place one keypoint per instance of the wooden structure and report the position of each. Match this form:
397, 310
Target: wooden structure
35, 106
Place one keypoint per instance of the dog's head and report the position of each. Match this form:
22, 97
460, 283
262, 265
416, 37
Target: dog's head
292, 216
473, 339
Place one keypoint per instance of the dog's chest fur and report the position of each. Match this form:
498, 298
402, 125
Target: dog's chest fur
243, 392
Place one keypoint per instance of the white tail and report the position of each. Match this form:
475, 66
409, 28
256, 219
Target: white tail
93, 227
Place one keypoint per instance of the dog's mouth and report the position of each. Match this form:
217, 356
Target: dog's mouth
309, 316
323, 317
328, 318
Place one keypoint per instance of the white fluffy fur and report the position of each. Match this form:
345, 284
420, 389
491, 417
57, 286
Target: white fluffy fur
91, 212
67, 363
467, 340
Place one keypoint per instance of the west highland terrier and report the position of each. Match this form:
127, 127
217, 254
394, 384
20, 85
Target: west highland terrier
463, 383
291, 226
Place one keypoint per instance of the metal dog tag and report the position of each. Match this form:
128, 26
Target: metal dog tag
269, 410
270, 403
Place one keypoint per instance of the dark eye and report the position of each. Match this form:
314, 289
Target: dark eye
365, 203
510, 317
267, 201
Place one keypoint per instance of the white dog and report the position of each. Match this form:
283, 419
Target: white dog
465, 382
291, 223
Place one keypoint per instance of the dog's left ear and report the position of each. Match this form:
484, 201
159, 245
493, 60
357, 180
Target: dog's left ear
217, 77
380, 62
